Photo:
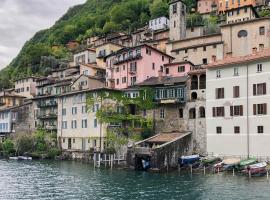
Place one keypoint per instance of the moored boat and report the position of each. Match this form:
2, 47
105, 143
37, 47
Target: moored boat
209, 160
188, 160
256, 169
246, 162
24, 158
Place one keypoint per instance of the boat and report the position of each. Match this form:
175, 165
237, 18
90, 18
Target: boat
13, 158
188, 160
257, 169
246, 162
227, 164
145, 164
24, 158
209, 160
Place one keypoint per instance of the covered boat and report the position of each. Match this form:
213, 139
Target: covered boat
230, 163
246, 162
188, 160
209, 160
256, 169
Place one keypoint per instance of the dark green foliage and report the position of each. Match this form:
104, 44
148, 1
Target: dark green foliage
24, 143
8, 147
53, 152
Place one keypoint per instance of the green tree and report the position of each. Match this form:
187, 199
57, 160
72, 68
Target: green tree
8, 147
24, 143
159, 8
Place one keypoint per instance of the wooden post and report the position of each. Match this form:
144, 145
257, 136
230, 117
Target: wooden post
99, 159
204, 169
105, 160
94, 157
233, 171
191, 169
249, 174
179, 168
218, 170
267, 174
118, 159
111, 161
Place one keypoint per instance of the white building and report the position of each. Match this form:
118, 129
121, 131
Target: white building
159, 23
237, 105
5, 123
85, 56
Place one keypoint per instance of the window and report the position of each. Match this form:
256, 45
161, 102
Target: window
73, 140
133, 66
84, 109
64, 111
192, 113
259, 67
181, 113
219, 93
84, 123
161, 113
186, 51
195, 50
133, 80
261, 47
153, 66
117, 69
218, 73
174, 8
219, 129
64, 140
236, 92
117, 81
262, 30
259, 89
167, 71
246, 10
73, 124
204, 61
95, 123
124, 79
235, 71
124, 67
148, 51
74, 110
181, 68
260, 129
260, 109
162, 58
204, 48
237, 129
218, 112
64, 124
214, 46
202, 112
236, 110
242, 33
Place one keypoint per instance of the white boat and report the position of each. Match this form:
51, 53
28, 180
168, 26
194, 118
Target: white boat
231, 161
258, 165
13, 158
24, 158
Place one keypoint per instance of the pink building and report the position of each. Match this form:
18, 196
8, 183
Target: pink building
133, 65
206, 6
177, 69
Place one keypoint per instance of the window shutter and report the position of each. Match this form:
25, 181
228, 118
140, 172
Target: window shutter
214, 111
216, 93
222, 93
254, 89
254, 109
241, 110
231, 110
264, 88
265, 108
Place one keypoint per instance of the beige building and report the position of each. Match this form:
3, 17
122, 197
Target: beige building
26, 86
84, 56
78, 127
244, 13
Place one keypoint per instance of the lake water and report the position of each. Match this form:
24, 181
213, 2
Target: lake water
73, 180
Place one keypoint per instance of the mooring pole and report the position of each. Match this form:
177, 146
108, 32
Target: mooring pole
191, 169
233, 171
267, 174
249, 174
204, 169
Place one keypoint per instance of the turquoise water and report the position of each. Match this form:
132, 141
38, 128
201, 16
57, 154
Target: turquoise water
73, 180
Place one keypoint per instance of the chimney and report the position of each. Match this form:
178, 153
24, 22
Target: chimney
254, 50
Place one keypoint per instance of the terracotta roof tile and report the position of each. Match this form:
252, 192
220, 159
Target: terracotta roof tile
260, 55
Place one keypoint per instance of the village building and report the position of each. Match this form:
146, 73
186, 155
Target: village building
237, 102
243, 13
78, 127
26, 86
158, 23
206, 6
84, 56
134, 65
9, 98
225, 5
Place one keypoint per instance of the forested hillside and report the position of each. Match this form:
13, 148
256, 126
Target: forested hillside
95, 17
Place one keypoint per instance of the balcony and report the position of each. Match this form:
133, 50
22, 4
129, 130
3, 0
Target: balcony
170, 95
49, 104
128, 58
47, 116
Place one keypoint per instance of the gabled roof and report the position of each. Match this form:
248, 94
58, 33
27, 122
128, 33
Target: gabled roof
163, 80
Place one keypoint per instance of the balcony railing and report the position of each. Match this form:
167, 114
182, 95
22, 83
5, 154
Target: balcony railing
128, 58
47, 116
49, 104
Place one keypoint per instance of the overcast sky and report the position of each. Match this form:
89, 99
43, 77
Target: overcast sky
21, 19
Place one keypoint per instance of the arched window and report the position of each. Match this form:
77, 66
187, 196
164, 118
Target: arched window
194, 82
192, 113
242, 33
202, 112
203, 81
